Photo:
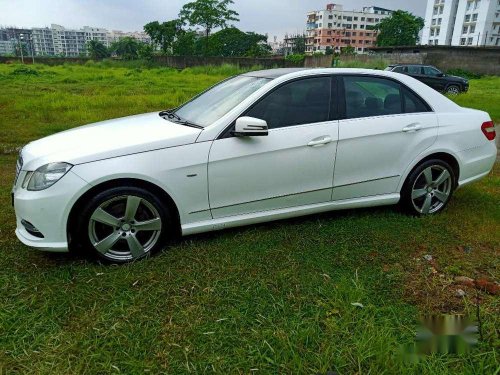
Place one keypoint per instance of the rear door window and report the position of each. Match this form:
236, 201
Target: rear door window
414, 69
371, 96
375, 96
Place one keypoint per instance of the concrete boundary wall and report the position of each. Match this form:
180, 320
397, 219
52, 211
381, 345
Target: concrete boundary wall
475, 60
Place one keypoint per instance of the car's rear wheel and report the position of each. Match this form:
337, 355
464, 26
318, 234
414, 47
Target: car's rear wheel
428, 188
124, 224
453, 90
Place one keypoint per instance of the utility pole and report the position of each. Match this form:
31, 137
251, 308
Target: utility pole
32, 48
21, 37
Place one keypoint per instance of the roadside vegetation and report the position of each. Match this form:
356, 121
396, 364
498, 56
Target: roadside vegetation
342, 291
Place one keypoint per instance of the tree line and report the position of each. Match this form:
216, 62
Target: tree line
177, 36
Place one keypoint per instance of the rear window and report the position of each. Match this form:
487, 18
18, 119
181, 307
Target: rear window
375, 96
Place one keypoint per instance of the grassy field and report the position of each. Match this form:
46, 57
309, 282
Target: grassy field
273, 298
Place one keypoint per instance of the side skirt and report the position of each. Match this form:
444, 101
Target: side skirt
286, 213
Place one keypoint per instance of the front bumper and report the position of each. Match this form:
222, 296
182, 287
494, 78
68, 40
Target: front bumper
48, 211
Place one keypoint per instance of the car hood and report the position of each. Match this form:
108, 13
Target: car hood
108, 139
456, 78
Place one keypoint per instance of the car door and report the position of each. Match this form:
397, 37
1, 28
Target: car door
415, 71
433, 78
383, 127
291, 166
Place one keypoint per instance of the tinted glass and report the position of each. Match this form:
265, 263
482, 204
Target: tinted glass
219, 100
430, 71
414, 69
370, 96
413, 104
300, 102
398, 69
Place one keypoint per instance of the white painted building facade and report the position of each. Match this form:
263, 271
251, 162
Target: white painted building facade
57, 40
472, 23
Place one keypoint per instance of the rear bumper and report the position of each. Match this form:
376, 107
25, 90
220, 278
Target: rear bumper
477, 163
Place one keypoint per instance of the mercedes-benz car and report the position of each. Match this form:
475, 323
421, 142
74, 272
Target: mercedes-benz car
433, 77
257, 147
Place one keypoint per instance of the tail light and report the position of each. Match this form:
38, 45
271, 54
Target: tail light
488, 129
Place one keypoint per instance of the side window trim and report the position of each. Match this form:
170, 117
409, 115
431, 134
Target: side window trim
402, 89
226, 133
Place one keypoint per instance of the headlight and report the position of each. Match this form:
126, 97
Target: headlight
47, 175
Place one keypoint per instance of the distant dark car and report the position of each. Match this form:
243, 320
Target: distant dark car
432, 77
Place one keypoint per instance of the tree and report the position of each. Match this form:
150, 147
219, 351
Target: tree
145, 51
208, 14
234, 42
97, 50
348, 50
185, 44
400, 29
299, 46
164, 34
127, 48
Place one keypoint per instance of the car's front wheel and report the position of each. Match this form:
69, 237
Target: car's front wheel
453, 90
428, 188
123, 224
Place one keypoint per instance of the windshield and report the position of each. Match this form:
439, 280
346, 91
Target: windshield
210, 106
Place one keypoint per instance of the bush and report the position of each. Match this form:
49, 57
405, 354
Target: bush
296, 58
379, 64
225, 69
463, 73
25, 70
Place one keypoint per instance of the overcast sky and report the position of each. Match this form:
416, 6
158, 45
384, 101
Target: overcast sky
275, 17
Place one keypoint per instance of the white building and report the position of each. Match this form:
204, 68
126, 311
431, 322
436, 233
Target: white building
462, 23
336, 28
116, 35
57, 40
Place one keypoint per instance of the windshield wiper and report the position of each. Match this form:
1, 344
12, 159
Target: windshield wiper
170, 115
187, 123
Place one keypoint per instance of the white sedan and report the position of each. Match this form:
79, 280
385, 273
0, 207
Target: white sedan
257, 147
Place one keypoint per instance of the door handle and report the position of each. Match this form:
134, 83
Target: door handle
412, 128
320, 142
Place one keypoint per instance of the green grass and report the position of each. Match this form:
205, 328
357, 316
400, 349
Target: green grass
272, 298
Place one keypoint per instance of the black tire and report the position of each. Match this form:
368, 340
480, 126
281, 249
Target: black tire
453, 90
416, 183
149, 227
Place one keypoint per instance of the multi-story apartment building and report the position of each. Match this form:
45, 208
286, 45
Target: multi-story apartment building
462, 23
56, 40
336, 28
43, 42
116, 35
11, 39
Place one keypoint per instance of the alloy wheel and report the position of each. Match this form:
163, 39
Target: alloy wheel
431, 189
124, 228
453, 90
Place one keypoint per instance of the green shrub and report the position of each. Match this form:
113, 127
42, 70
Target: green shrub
225, 70
296, 58
379, 64
25, 70
463, 73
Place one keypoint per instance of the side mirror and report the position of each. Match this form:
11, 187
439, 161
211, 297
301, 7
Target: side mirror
250, 126
440, 74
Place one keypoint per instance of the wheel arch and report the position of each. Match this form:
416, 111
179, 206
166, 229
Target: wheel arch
441, 155
121, 182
